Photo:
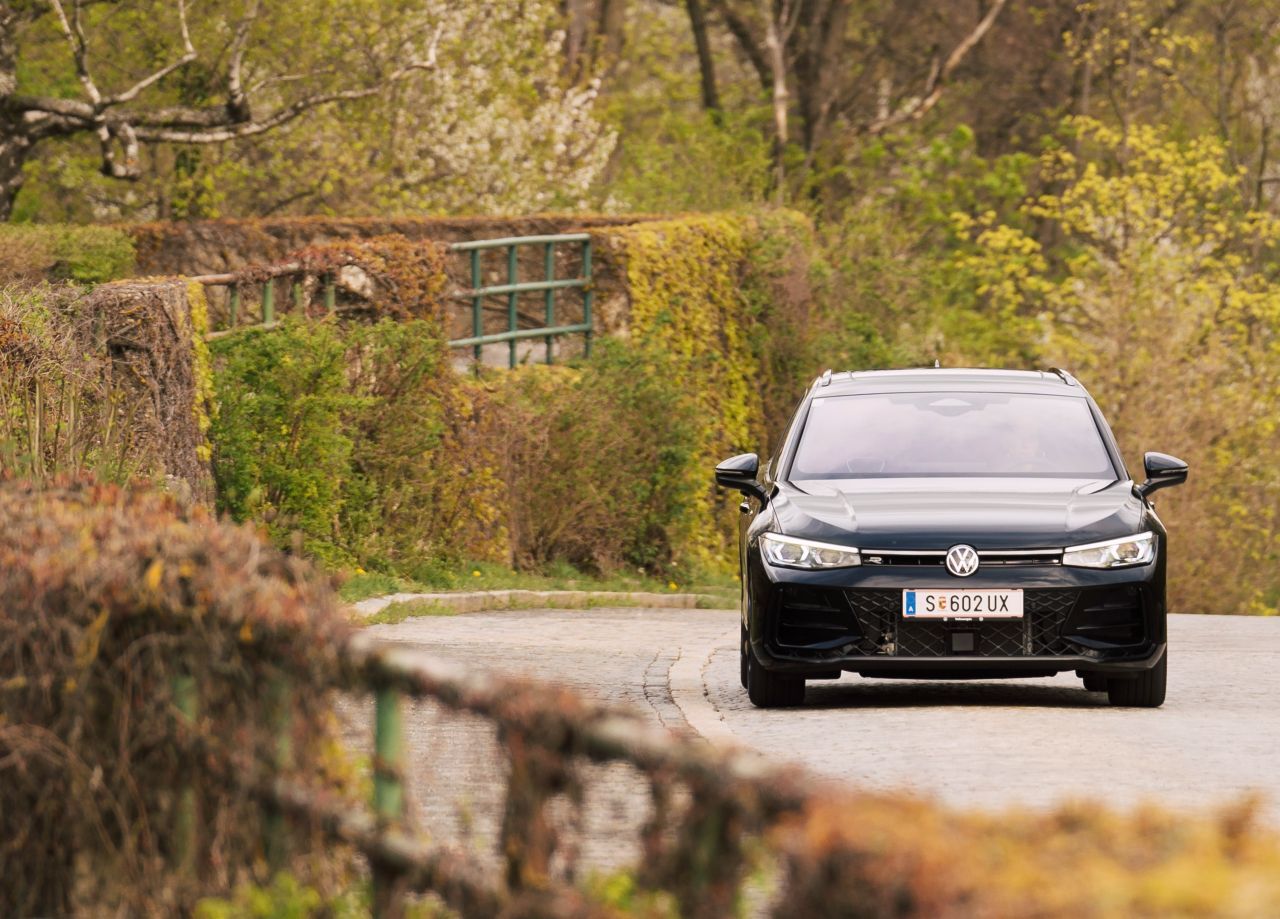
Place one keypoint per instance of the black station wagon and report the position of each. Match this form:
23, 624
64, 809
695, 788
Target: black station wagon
951, 524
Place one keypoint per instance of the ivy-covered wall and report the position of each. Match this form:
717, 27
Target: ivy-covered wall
605, 463
712, 298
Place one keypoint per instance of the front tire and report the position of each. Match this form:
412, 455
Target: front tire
1144, 691
772, 690
743, 653
1095, 682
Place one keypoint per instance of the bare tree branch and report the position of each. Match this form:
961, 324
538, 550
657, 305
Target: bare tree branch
237, 100
73, 30
918, 107
121, 129
231, 131
188, 55
741, 32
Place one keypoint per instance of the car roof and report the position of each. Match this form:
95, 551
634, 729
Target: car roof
932, 379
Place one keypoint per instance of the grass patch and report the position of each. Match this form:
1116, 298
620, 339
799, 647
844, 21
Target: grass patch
718, 593
410, 609
362, 585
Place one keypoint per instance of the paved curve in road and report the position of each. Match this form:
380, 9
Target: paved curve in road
990, 744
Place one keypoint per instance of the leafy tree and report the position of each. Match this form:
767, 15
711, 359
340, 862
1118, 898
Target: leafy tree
148, 73
1161, 294
262, 106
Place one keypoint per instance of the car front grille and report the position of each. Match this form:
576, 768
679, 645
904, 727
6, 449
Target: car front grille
1038, 633
986, 558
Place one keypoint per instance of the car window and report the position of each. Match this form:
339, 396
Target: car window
950, 434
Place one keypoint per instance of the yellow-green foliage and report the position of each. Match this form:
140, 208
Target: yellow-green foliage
204, 404
1160, 297
685, 283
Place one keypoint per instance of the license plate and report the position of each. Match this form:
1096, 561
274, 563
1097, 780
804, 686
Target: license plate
962, 604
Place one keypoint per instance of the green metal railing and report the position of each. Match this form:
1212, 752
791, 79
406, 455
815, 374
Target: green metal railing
294, 275
546, 736
514, 287
291, 272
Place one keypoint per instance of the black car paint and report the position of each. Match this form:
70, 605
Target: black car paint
934, 514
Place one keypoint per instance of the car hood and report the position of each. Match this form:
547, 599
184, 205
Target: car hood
935, 513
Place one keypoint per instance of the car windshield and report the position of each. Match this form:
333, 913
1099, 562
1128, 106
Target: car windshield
950, 434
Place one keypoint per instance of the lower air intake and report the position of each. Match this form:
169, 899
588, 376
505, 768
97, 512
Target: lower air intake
1038, 634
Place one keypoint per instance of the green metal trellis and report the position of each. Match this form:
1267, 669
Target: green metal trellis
514, 287
293, 273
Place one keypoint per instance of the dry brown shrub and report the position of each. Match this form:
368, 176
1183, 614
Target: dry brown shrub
407, 276
212, 246
872, 856
106, 595
109, 381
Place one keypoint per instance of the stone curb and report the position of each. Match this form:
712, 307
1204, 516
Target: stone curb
478, 601
687, 681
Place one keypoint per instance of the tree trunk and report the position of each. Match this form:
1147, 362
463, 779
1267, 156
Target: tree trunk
613, 24
15, 144
575, 36
15, 147
778, 67
706, 64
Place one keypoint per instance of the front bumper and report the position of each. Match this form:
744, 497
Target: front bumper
1089, 621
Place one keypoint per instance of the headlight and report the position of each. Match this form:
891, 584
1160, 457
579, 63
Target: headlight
1114, 553
787, 552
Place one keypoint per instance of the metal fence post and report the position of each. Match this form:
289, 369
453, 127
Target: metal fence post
513, 299
297, 296
269, 302
388, 787
330, 292
280, 722
235, 306
587, 295
477, 305
550, 259
186, 702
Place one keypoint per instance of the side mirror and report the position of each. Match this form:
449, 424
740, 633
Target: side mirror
739, 472
1162, 471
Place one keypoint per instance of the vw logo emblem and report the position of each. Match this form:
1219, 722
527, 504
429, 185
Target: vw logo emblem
962, 561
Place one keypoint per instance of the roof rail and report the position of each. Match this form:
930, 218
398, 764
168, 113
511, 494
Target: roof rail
1064, 376
825, 379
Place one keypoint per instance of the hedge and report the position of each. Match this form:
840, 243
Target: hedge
31, 253
107, 594
115, 380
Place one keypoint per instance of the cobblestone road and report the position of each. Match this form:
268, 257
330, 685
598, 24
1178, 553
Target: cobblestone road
992, 744
1002, 743
622, 656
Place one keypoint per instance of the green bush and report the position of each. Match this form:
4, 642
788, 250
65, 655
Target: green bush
62, 252
281, 449
357, 439
596, 460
